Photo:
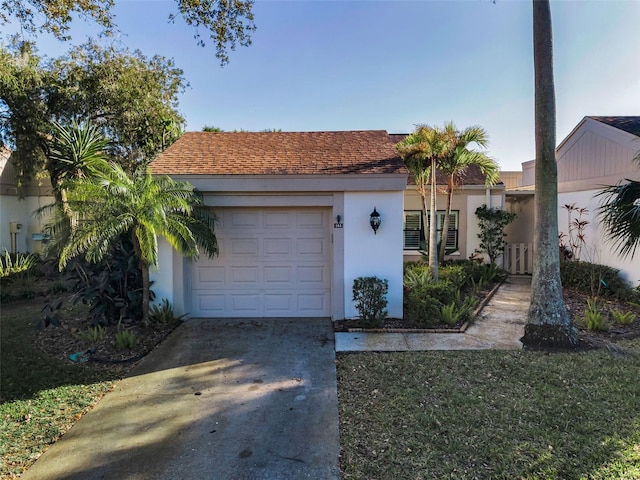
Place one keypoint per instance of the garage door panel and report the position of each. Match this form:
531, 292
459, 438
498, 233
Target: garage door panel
244, 246
276, 276
281, 220
244, 219
277, 246
244, 276
310, 219
271, 262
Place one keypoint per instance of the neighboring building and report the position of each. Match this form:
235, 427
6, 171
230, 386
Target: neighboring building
598, 152
20, 230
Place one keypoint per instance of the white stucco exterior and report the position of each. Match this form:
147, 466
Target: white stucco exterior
597, 248
355, 250
367, 254
14, 209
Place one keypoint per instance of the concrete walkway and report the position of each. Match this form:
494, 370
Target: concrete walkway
499, 326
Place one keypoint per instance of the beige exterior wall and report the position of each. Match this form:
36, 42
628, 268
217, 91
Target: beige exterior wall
465, 200
521, 230
511, 179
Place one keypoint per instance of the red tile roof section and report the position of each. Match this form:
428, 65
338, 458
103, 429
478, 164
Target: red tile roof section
280, 153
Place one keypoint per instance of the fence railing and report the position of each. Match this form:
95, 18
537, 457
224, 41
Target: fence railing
518, 258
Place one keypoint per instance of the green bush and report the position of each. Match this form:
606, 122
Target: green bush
593, 279
163, 313
424, 304
15, 263
370, 295
417, 277
455, 274
623, 318
125, 340
593, 319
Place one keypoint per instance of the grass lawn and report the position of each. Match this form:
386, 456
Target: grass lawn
40, 398
489, 415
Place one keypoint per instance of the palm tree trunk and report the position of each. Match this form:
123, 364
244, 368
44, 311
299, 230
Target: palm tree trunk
433, 239
445, 222
146, 284
548, 323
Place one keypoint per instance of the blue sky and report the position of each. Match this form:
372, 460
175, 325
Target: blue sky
352, 65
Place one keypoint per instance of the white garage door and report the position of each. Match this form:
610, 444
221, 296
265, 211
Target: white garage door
272, 263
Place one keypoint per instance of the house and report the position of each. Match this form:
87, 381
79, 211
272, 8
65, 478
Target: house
293, 227
598, 152
20, 230
293, 221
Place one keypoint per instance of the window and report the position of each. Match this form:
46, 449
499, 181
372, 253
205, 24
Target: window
416, 236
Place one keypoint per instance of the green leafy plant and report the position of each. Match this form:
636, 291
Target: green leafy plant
623, 318
163, 313
12, 264
93, 334
125, 339
417, 277
594, 279
450, 314
492, 222
370, 295
593, 319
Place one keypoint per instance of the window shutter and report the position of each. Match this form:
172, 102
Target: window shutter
412, 229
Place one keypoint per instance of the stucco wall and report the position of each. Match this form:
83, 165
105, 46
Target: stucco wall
597, 248
366, 254
13, 209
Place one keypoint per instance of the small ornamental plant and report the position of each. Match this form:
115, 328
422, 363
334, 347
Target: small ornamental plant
370, 295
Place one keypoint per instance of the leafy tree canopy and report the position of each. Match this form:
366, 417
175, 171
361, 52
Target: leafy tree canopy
132, 99
227, 23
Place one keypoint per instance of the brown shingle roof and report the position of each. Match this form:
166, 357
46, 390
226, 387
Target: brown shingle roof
280, 153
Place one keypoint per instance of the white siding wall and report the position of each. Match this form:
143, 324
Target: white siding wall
366, 254
597, 249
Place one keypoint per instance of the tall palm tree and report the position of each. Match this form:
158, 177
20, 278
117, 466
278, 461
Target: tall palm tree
620, 214
422, 152
548, 322
115, 202
455, 165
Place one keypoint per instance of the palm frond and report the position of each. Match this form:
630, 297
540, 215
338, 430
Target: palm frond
620, 215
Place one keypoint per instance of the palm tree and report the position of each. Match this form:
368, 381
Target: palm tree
422, 152
114, 202
455, 165
620, 214
548, 323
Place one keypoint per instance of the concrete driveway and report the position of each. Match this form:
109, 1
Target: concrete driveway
220, 399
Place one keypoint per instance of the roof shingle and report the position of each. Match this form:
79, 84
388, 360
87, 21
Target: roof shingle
280, 153
627, 124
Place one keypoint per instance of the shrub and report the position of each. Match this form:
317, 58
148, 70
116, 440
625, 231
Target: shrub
593, 279
623, 318
417, 277
163, 313
125, 340
454, 274
492, 222
15, 263
593, 319
93, 334
370, 295
424, 304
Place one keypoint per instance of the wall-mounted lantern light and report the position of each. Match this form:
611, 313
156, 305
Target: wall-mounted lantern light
375, 220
